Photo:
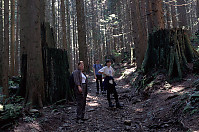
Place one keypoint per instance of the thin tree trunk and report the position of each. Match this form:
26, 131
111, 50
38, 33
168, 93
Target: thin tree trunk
182, 17
17, 45
58, 26
69, 36
82, 33
42, 11
197, 11
1, 42
168, 16
54, 21
5, 61
12, 68
173, 15
65, 47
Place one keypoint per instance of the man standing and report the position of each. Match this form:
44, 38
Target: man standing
98, 76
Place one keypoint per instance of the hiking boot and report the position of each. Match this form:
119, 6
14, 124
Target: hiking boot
111, 105
118, 105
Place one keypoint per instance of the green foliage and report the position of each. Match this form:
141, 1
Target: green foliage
192, 102
10, 113
116, 54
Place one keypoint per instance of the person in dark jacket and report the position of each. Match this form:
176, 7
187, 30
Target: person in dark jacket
109, 83
98, 76
81, 82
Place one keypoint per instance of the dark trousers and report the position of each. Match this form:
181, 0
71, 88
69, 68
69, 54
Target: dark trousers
99, 79
111, 89
81, 101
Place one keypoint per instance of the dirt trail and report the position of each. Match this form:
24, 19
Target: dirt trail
155, 113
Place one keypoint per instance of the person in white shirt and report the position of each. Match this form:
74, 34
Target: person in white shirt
109, 83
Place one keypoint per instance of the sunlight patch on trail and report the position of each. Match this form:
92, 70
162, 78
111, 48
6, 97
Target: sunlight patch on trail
94, 100
32, 126
126, 72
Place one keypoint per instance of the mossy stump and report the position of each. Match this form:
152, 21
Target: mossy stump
169, 49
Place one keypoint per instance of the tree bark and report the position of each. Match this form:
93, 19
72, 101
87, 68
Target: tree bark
197, 11
65, 47
158, 14
81, 33
54, 21
182, 17
139, 33
1, 42
35, 77
173, 15
69, 37
5, 61
12, 67
17, 44
168, 16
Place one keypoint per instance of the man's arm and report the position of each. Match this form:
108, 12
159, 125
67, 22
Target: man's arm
94, 73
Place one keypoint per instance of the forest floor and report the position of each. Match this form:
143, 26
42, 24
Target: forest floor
159, 112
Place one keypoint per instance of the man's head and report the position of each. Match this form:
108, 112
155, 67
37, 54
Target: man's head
108, 62
81, 65
97, 61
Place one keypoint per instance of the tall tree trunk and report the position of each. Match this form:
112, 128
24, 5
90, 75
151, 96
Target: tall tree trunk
69, 36
42, 11
63, 25
94, 32
17, 44
168, 16
54, 21
35, 77
173, 15
12, 68
139, 33
149, 16
58, 26
5, 60
1, 41
197, 11
182, 17
23, 46
155, 15
158, 14
82, 32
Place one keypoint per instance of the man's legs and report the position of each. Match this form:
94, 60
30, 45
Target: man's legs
118, 105
80, 104
109, 98
97, 83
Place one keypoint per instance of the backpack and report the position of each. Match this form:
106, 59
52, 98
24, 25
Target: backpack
71, 81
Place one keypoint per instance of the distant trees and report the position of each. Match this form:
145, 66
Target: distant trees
87, 29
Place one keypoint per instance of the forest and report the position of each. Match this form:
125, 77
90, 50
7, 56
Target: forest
151, 45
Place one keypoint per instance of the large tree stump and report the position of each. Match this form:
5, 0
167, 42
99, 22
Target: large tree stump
170, 50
